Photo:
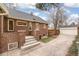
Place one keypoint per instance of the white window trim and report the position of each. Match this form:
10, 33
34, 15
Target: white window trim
8, 24
44, 26
37, 26
30, 24
21, 25
13, 47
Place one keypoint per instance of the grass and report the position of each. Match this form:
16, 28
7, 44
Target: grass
46, 40
73, 51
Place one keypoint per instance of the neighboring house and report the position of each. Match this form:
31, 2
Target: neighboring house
15, 25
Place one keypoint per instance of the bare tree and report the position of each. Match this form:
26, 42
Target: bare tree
56, 16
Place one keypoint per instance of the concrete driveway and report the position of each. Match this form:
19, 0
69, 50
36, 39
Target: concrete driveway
58, 46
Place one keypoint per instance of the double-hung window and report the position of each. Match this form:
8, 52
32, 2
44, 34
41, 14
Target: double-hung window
10, 25
30, 26
37, 26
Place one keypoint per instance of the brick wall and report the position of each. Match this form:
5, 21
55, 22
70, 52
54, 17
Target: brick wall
42, 31
0, 34
12, 36
19, 33
8, 38
0, 24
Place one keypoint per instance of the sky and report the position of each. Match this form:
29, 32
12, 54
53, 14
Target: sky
72, 11
28, 8
73, 8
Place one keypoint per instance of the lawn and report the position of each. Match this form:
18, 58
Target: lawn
47, 39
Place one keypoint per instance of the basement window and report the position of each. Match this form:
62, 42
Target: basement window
10, 25
12, 46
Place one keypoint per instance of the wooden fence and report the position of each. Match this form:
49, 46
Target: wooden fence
53, 32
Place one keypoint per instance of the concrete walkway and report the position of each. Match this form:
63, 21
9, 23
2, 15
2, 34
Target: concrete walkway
57, 47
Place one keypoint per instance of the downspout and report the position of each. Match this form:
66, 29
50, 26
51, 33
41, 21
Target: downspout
1, 32
1, 24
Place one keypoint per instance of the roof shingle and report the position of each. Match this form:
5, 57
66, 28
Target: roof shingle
13, 13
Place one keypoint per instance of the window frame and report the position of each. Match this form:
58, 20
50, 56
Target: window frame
44, 26
22, 22
30, 26
9, 25
37, 26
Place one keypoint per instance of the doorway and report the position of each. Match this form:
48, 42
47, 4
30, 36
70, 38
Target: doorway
30, 33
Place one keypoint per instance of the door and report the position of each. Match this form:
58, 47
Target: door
30, 33
21, 38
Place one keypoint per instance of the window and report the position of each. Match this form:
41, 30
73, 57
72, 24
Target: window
44, 25
21, 23
12, 46
30, 26
10, 25
37, 26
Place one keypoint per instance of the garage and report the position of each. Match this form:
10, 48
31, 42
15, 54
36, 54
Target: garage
68, 30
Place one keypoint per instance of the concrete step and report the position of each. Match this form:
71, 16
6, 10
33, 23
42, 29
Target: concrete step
29, 46
29, 37
30, 42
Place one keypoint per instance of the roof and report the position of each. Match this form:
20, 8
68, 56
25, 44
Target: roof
13, 13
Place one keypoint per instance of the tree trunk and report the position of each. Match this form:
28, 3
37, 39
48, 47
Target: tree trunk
56, 21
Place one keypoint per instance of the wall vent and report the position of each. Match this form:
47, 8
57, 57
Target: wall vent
12, 46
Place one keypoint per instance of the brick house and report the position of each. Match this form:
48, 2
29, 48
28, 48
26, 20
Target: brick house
15, 25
